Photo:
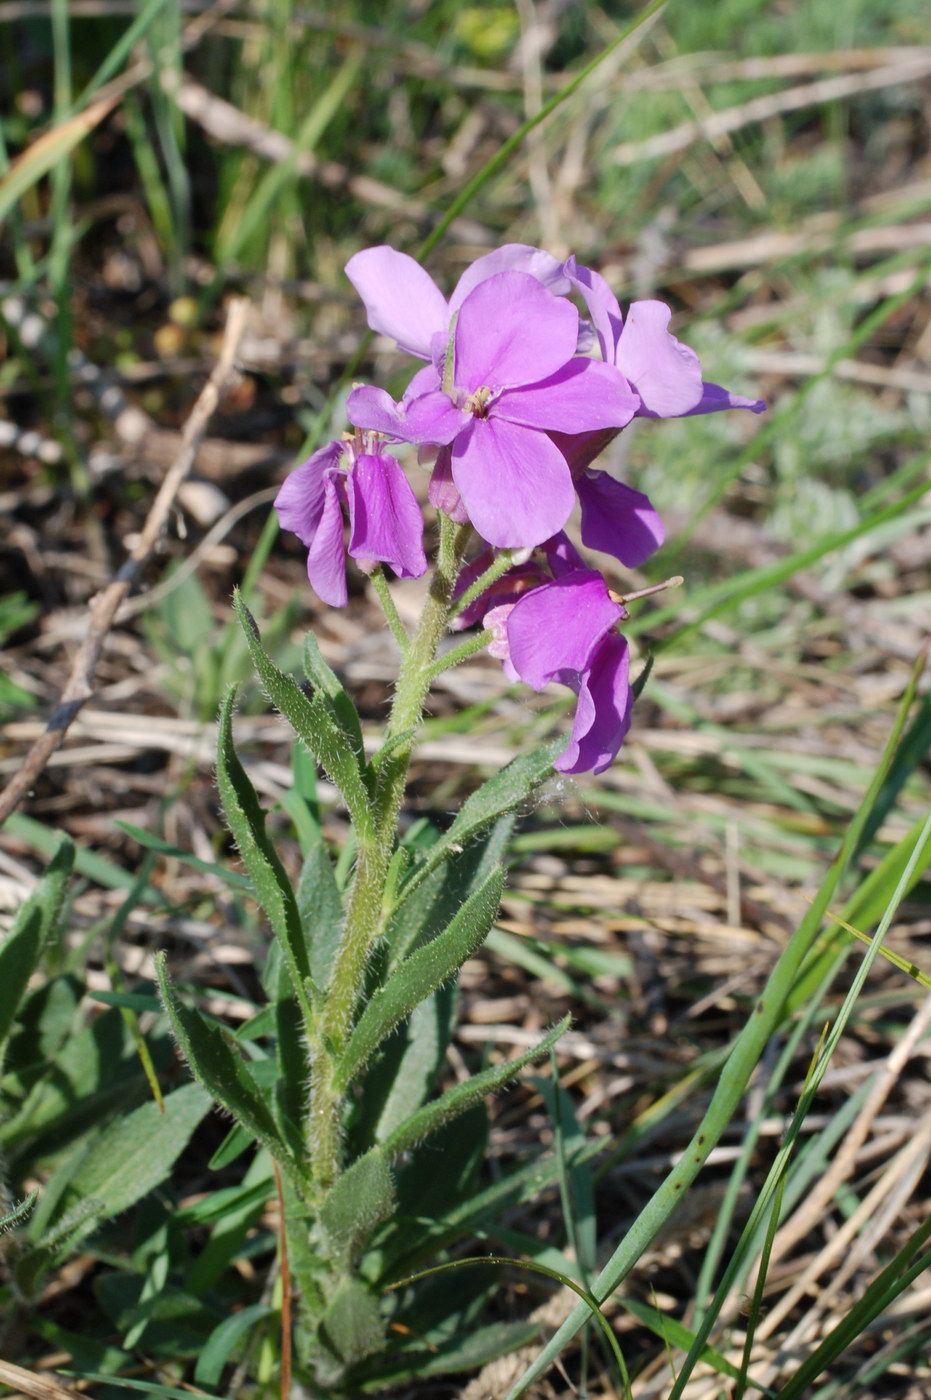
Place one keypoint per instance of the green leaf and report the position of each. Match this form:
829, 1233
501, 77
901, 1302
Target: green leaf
321, 911
403, 1075
151, 842
501, 794
137, 1151
223, 1341
23, 945
462, 1353
317, 723
326, 681
270, 882
360, 1200
222, 1073
456, 1100
440, 896
419, 975
353, 1324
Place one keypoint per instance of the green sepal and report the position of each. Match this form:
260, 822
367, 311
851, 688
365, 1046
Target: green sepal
23, 945
359, 1201
318, 723
247, 823
352, 1324
456, 1100
501, 794
420, 974
217, 1066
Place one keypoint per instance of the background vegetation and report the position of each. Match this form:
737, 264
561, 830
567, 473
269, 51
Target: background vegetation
765, 169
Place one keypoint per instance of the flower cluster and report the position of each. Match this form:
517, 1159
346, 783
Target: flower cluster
511, 410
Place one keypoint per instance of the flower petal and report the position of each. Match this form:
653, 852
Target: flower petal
602, 306
512, 257
580, 397
431, 417
386, 523
299, 503
714, 399
511, 330
617, 519
326, 560
401, 298
603, 714
665, 373
515, 484
442, 493
553, 631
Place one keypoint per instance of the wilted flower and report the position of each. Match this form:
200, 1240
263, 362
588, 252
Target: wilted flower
385, 521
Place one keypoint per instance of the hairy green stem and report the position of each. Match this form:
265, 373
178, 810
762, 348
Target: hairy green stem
475, 589
365, 910
392, 616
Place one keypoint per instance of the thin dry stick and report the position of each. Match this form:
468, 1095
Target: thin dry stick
104, 606
38, 1387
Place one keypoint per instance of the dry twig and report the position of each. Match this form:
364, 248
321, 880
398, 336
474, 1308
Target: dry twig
104, 606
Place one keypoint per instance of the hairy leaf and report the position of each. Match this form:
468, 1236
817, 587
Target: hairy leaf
420, 974
456, 1100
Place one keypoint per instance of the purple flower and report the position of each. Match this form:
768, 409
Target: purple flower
564, 631
515, 378
385, 522
665, 373
553, 619
404, 302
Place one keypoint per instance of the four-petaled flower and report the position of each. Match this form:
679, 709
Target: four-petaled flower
514, 378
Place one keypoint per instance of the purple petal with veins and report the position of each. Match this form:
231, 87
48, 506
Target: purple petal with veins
582, 396
603, 714
602, 306
386, 522
617, 519
401, 298
299, 503
512, 257
714, 399
665, 373
553, 631
326, 559
515, 484
511, 331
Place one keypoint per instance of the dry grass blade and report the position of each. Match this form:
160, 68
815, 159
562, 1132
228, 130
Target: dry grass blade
104, 606
28, 1383
760, 109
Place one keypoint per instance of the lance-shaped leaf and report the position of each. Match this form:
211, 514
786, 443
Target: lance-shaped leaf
321, 910
325, 680
23, 945
419, 975
272, 886
360, 1200
502, 793
456, 1100
217, 1066
316, 724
